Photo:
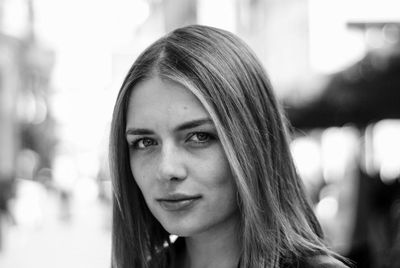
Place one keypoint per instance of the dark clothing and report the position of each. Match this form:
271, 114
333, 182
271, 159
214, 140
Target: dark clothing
318, 261
323, 261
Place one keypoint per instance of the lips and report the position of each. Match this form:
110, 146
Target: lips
178, 202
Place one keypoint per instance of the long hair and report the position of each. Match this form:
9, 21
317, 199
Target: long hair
277, 222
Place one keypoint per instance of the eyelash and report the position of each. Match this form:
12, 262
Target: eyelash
136, 144
209, 137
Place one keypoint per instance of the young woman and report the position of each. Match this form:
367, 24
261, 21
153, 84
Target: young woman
199, 150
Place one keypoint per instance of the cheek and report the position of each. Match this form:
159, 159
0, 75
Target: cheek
217, 176
141, 174
218, 169
221, 191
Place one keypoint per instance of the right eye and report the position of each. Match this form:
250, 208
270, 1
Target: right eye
143, 143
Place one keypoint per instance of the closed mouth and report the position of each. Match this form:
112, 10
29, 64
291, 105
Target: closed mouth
178, 197
178, 202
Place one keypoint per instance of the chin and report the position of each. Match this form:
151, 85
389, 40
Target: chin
182, 231
182, 228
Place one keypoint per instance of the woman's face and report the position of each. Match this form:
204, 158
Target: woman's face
177, 159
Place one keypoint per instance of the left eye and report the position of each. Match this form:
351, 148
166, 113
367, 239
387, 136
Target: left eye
200, 137
143, 143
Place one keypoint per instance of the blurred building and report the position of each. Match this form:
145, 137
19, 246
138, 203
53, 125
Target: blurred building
26, 126
354, 126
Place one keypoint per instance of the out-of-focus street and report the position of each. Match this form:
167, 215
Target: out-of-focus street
78, 239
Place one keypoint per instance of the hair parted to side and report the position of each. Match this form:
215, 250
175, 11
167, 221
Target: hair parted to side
277, 222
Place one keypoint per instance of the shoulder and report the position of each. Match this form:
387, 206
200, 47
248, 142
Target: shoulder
324, 261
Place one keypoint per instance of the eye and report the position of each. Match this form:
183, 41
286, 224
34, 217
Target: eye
200, 137
143, 143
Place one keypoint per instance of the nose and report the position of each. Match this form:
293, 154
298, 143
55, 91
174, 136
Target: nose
171, 163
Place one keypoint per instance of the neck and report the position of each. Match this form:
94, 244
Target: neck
219, 247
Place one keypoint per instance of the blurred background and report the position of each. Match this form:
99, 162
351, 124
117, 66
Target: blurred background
334, 64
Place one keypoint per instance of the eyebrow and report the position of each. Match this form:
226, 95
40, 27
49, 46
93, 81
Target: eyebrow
184, 126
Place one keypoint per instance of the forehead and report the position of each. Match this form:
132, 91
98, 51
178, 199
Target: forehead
156, 100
